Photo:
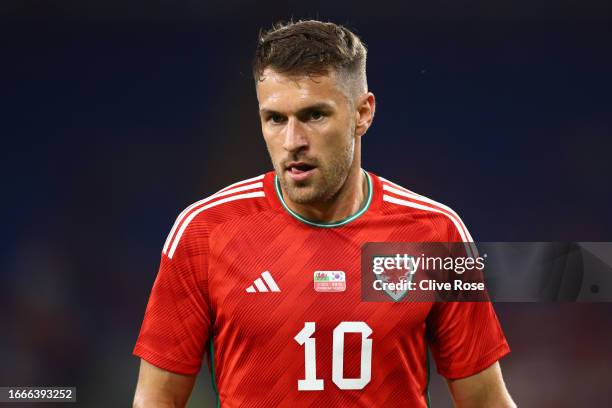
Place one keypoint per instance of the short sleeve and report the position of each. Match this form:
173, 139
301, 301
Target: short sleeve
177, 321
464, 337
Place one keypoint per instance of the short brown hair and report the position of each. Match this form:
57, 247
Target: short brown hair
312, 48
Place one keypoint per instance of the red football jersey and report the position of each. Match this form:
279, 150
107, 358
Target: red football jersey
236, 281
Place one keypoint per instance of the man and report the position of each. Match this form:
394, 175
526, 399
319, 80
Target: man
236, 274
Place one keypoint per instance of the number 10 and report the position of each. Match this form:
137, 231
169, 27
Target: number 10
310, 382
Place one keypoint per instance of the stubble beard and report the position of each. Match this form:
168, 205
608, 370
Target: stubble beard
325, 185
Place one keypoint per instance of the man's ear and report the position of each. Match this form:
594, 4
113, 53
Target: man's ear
364, 114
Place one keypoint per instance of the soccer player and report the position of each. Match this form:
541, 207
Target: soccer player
236, 276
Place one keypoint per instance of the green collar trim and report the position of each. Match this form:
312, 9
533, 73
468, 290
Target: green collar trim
326, 224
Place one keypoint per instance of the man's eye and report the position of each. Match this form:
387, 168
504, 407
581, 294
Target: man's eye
276, 118
317, 115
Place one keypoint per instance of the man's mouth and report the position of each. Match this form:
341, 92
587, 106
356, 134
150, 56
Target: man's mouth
299, 167
299, 171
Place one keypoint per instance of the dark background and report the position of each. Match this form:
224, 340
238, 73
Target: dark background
116, 115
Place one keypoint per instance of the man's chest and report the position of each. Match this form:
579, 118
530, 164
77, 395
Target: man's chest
271, 284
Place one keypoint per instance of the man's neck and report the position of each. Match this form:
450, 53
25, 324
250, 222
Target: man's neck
349, 199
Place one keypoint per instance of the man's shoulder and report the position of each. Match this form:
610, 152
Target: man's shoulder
397, 199
401, 199
237, 200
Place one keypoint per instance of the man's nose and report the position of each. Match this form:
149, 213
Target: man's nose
295, 137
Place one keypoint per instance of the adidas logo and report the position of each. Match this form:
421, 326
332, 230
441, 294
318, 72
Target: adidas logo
260, 286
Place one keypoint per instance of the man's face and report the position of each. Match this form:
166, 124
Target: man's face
309, 128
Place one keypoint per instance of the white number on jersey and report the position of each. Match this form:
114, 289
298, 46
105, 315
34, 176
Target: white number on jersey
311, 383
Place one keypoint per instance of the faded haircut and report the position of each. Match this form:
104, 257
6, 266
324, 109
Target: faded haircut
313, 48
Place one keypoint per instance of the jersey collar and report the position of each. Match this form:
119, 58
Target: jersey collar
320, 224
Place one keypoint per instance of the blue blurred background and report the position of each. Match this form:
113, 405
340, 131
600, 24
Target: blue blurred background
116, 115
